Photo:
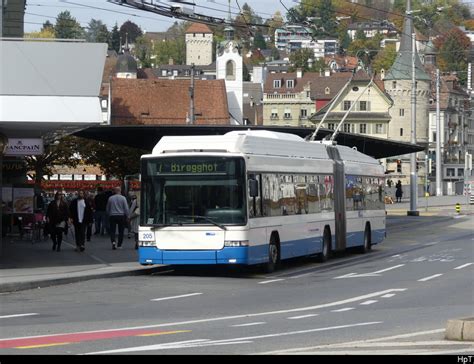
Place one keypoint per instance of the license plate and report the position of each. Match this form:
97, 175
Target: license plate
146, 236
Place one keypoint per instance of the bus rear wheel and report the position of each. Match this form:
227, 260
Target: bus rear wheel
367, 241
324, 255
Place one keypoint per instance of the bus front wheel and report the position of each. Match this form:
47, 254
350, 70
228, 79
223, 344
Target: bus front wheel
273, 256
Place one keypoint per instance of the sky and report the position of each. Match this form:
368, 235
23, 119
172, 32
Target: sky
39, 11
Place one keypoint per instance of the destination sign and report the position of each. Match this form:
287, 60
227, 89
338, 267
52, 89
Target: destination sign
191, 167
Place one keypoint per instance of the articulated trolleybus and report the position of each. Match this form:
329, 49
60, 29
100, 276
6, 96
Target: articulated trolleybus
256, 197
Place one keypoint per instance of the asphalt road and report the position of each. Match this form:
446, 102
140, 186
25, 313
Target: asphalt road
393, 300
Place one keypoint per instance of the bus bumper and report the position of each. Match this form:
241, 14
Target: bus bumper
228, 255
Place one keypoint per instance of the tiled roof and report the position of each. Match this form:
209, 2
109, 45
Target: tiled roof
319, 83
198, 28
154, 101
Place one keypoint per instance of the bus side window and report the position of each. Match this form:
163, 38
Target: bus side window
255, 195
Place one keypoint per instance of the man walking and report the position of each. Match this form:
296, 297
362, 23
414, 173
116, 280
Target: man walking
100, 201
80, 212
118, 211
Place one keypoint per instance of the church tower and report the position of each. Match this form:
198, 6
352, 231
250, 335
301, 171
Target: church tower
229, 67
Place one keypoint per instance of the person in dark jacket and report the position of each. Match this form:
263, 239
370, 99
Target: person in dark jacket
56, 218
80, 213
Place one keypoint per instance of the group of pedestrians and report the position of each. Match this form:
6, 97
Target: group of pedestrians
108, 213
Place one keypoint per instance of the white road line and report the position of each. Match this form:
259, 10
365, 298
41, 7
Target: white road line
207, 342
303, 316
343, 309
369, 302
19, 315
432, 243
464, 266
387, 269
173, 297
273, 280
388, 295
235, 317
250, 324
430, 277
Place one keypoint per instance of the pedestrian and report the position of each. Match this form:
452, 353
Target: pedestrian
56, 220
134, 218
80, 213
398, 191
100, 217
118, 212
90, 200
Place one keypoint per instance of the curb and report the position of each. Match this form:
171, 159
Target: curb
460, 329
22, 286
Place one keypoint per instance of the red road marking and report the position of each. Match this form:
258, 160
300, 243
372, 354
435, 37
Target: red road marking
72, 338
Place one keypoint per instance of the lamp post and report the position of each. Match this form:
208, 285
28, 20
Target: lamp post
3, 147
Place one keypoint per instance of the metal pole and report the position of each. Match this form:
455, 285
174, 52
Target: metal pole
191, 96
413, 176
1, 18
439, 190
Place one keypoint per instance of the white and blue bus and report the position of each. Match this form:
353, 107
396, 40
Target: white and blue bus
256, 197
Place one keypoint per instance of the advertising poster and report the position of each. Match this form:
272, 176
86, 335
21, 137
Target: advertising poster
23, 199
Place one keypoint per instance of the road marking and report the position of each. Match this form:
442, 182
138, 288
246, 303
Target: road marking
372, 274
388, 295
343, 309
464, 266
19, 315
41, 346
207, 342
358, 342
369, 302
432, 243
8, 341
165, 333
47, 340
250, 324
303, 316
430, 277
173, 297
273, 280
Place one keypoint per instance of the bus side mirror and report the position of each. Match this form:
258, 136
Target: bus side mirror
253, 187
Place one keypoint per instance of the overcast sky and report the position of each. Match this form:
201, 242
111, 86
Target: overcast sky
39, 11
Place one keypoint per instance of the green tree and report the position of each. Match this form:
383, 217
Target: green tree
453, 48
130, 31
63, 152
299, 59
115, 39
97, 32
67, 27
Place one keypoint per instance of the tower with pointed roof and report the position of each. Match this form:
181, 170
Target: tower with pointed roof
199, 40
229, 67
398, 84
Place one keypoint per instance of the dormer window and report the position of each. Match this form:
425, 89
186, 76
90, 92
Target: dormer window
276, 83
327, 91
290, 83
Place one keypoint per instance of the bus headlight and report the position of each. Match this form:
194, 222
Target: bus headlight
236, 243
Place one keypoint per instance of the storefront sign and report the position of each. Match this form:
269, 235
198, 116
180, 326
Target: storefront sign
24, 146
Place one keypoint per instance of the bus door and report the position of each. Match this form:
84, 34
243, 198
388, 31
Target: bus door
339, 199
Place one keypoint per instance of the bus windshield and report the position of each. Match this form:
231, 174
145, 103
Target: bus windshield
193, 191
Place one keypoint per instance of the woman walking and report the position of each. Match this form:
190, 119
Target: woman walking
56, 218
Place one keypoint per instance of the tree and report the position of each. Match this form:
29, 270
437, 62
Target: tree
115, 39
299, 59
129, 31
97, 32
453, 48
114, 160
63, 153
67, 27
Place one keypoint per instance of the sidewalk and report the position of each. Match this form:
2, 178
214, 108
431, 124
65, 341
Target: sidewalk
26, 264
